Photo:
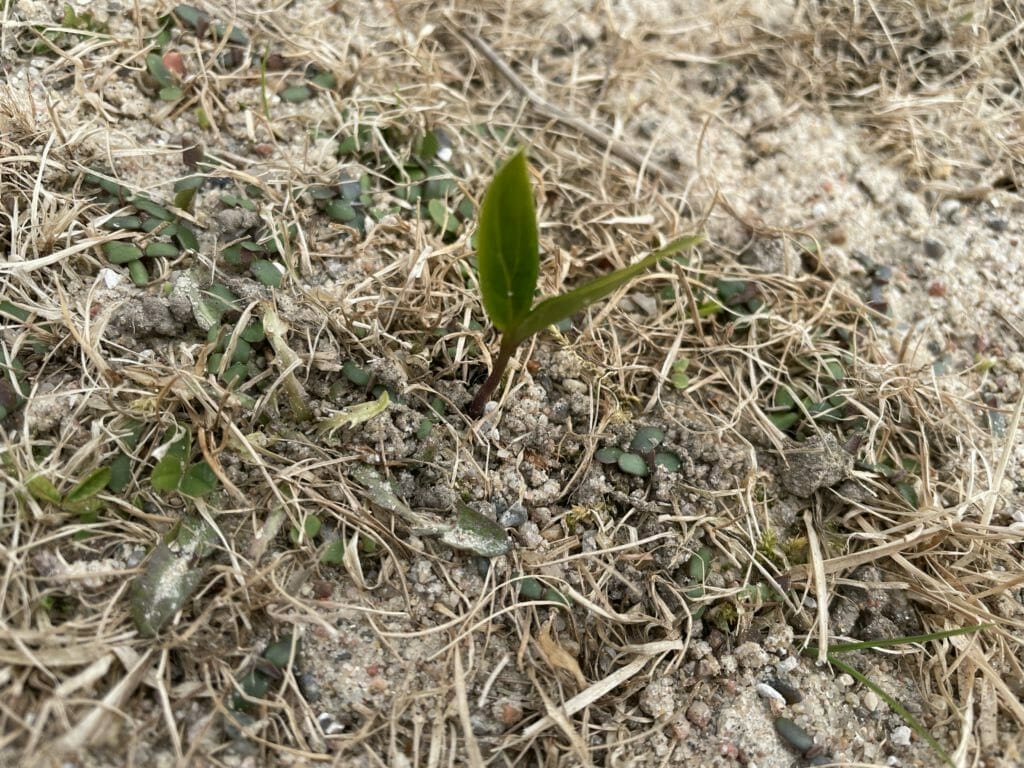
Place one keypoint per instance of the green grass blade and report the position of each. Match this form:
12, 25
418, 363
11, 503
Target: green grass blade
556, 308
891, 641
507, 252
895, 706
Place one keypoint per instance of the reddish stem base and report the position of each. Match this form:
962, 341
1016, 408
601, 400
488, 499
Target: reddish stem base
483, 395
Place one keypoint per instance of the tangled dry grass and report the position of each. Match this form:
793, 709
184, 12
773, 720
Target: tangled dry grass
96, 369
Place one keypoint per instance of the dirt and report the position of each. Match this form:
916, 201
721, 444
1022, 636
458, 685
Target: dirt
411, 652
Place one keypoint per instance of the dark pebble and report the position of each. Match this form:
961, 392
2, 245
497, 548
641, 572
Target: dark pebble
998, 225
310, 687
789, 693
934, 249
882, 274
876, 299
796, 737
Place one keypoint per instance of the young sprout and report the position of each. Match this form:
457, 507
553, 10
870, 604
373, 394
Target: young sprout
508, 260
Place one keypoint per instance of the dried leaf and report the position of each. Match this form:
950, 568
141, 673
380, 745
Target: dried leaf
557, 657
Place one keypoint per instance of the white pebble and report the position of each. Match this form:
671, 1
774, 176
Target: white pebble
870, 701
765, 691
788, 664
949, 208
900, 736
110, 278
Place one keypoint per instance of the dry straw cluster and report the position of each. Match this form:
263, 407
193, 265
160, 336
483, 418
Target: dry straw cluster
937, 90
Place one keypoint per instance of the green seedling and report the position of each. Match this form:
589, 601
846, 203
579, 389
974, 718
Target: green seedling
697, 568
82, 500
354, 415
678, 377
534, 589
508, 259
469, 531
643, 455
173, 472
310, 528
267, 670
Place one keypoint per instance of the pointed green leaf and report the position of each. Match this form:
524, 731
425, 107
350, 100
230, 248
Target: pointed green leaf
507, 251
551, 310
42, 489
89, 487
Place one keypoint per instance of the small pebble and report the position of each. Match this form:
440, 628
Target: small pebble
796, 737
751, 655
574, 385
708, 667
329, 725
882, 274
790, 694
508, 712
788, 664
870, 701
836, 235
900, 736
934, 249
512, 517
998, 225
845, 680
949, 209
309, 686
765, 691
699, 714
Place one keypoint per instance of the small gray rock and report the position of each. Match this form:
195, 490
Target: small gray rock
934, 249
512, 517
818, 462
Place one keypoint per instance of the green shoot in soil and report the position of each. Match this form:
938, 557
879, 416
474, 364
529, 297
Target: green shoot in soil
509, 262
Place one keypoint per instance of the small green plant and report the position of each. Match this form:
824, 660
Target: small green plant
508, 260
174, 472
